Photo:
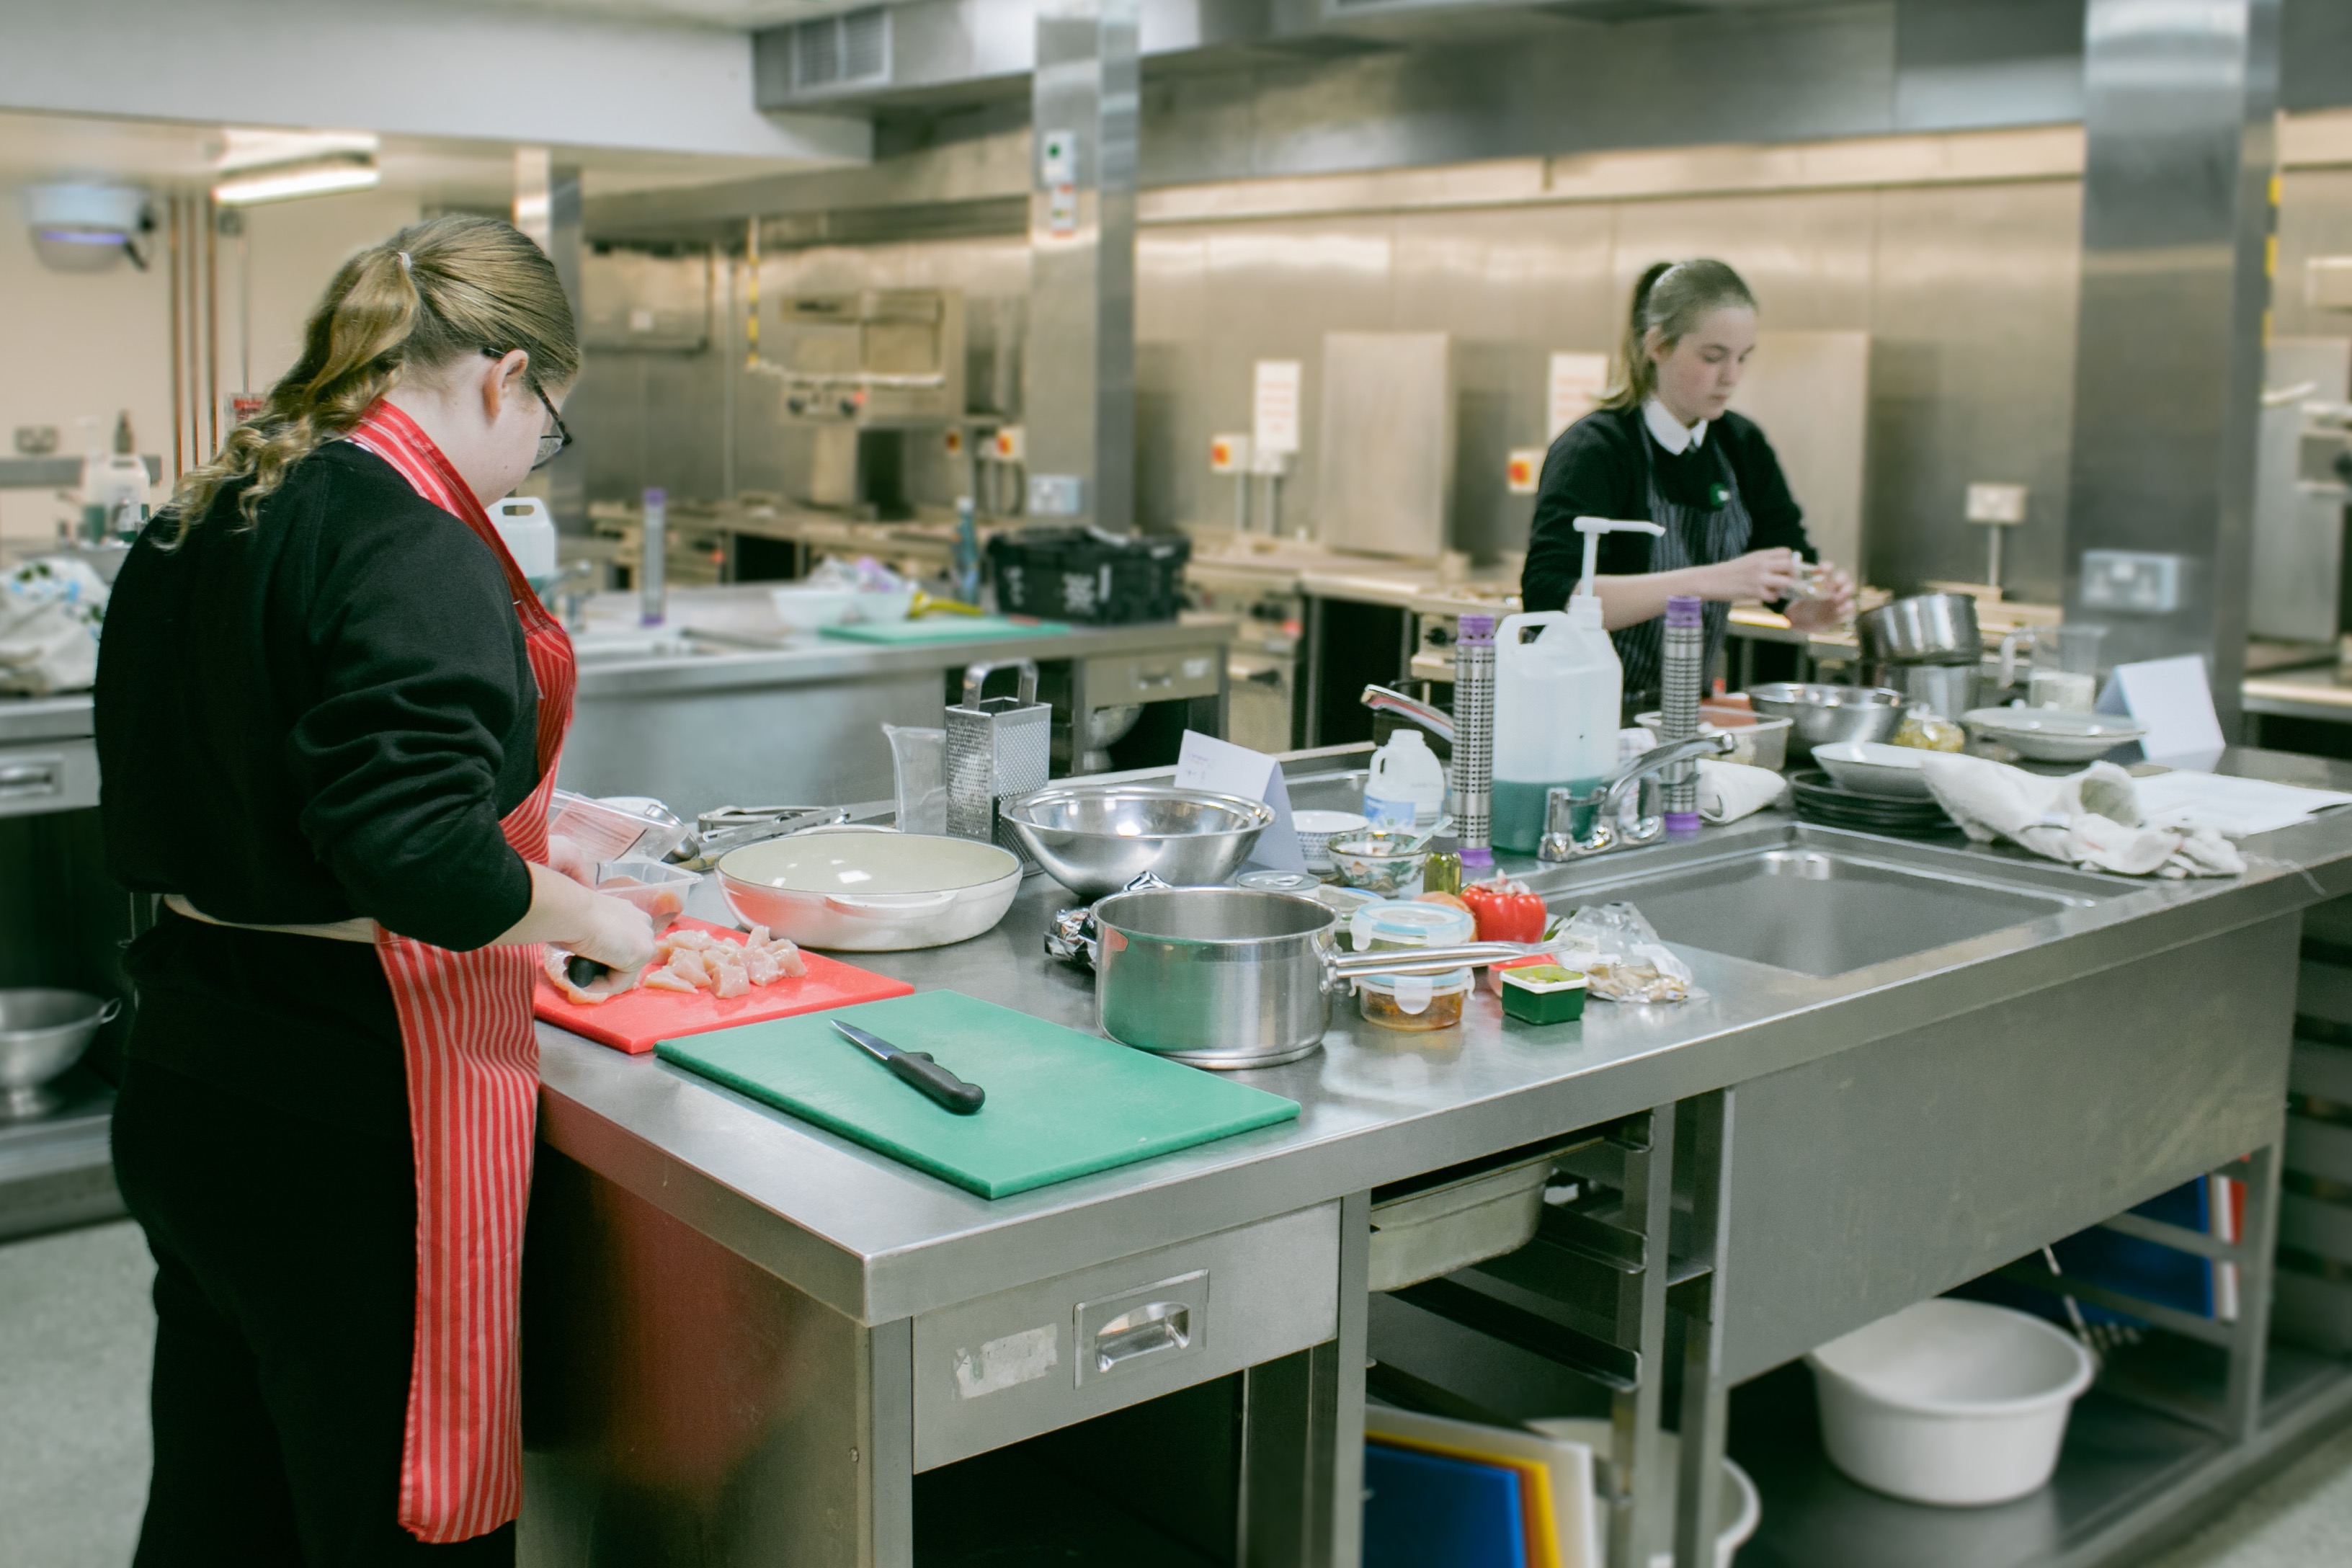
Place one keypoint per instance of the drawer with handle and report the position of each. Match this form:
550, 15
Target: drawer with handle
1028, 1360
1153, 678
55, 776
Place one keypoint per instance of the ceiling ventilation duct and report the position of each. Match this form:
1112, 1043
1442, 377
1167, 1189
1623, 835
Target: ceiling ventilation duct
843, 52
87, 227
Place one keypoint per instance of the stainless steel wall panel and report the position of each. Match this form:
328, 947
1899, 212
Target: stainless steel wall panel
1385, 477
2315, 219
2168, 370
1972, 316
1807, 256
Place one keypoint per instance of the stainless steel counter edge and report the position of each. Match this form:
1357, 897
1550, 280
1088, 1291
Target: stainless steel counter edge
824, 661
878, 1240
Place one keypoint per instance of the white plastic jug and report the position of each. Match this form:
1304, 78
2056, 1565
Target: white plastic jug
1555, 702
528, 531
1407, 787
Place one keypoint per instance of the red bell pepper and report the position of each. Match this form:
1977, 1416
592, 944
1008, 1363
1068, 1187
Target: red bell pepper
1505, 910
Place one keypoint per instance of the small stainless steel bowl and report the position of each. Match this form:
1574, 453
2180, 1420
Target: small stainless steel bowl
1094, 839
1820, 715
1922, 628
43, 1033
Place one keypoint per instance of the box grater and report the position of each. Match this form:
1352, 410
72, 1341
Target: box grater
997, 747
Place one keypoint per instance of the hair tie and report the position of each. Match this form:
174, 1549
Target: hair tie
405, 265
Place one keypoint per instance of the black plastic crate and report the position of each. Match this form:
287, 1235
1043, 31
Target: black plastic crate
1079, 574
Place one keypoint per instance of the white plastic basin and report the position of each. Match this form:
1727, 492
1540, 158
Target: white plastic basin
1959, 1403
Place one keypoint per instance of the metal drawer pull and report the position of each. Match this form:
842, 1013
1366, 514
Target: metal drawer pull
45, 777
1159, 1326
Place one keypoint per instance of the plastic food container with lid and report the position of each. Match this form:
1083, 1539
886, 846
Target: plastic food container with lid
1393, 924
1413, 1002
1543, 992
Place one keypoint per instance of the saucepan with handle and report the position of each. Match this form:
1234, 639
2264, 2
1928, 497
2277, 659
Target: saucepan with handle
1229, 977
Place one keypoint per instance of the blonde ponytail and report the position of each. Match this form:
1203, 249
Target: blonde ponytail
1671, 297
432, 295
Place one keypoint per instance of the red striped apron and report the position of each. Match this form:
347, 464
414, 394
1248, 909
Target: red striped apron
473, 1095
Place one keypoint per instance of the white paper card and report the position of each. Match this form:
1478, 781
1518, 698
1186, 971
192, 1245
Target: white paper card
1206, 762
2235, 807
1573, 390
2171, 696
1274, 406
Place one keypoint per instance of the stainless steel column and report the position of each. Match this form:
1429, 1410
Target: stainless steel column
1079, 402
2179, 99
547, 208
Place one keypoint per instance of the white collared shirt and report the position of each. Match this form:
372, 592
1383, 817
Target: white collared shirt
1672, 432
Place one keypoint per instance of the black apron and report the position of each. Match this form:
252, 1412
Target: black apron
1695, 536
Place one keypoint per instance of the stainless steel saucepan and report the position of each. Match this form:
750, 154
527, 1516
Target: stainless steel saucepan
1232, 977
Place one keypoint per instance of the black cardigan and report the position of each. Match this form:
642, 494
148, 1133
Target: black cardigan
1594, 469
324, 715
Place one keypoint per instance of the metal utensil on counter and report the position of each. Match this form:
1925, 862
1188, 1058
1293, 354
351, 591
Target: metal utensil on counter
1230, 977
727, 827
42, 1033
1094, 839
998, 747
917, 1069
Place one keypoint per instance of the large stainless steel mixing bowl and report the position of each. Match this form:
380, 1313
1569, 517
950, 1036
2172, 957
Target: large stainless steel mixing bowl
1821, 714
43, 1033
1094, 839
1921, 628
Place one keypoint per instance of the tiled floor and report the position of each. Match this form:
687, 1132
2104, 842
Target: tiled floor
76, 1333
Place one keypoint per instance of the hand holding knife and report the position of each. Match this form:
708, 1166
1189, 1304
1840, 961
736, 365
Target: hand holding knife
918, 1068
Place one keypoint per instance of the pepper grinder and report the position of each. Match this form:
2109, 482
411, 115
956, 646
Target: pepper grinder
1473, 741
1681, 669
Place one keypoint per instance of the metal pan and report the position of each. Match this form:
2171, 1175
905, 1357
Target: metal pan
1924, 628
1232, 977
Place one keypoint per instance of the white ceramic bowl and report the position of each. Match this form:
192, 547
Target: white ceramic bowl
1870, 767
2054, 734
1739, 1508
1316, 830
870, 889
1960, 1404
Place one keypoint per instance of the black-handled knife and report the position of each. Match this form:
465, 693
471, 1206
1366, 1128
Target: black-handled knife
918, 1068
584, 972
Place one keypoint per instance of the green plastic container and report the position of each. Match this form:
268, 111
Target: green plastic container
1543, 994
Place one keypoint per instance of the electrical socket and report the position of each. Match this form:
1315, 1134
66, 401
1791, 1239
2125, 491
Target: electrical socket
2131, 581
1057, 495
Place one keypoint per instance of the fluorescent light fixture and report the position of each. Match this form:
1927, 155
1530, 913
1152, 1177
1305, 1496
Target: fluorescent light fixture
285, 182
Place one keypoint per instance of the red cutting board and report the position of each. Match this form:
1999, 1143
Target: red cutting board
634, 1021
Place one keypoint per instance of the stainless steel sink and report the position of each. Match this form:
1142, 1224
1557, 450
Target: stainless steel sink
1824, 903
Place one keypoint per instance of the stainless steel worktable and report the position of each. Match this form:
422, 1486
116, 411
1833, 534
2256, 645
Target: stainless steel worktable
1904, 1123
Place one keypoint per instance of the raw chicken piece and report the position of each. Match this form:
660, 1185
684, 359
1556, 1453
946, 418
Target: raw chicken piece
730, 980
695, 940
663, 980
604, 988
689, 966
790, 965
760, 965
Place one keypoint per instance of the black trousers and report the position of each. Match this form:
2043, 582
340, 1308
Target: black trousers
285, 1305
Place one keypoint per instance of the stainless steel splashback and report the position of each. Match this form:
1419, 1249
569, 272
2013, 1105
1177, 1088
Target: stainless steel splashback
1387, 442
2298, 573
2181, 150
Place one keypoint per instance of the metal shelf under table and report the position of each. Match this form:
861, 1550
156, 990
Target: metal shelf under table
2127, 1475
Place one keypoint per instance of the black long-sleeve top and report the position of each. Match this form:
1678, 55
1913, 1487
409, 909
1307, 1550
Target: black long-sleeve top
1595, 469
324, 715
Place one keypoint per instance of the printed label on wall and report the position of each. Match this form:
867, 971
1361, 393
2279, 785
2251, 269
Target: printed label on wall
1575, 385
1274, 406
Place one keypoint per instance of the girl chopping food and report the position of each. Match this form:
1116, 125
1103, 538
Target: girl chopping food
1665, 448
329, 713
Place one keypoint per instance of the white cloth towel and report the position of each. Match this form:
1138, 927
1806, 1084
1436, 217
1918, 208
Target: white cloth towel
2091, 818
1729, 791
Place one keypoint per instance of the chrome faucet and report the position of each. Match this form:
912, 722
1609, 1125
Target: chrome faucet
1606, 800
1382, 700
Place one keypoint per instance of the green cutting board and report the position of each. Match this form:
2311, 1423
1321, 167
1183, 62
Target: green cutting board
945, 628
1060, 1104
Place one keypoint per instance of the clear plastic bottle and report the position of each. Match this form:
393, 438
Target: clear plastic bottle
1407, 787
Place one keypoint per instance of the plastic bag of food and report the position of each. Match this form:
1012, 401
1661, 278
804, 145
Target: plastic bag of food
1621, 957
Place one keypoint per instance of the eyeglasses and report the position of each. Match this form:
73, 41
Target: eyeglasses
555, 441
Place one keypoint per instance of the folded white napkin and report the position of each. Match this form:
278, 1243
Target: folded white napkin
2090, 819
1729, 791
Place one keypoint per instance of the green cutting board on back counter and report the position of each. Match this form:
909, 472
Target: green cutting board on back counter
945, 628
1060, 1103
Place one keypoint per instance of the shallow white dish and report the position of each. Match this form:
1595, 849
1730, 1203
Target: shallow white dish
870, 889
1959, 1403
1873, 767
2054, 734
